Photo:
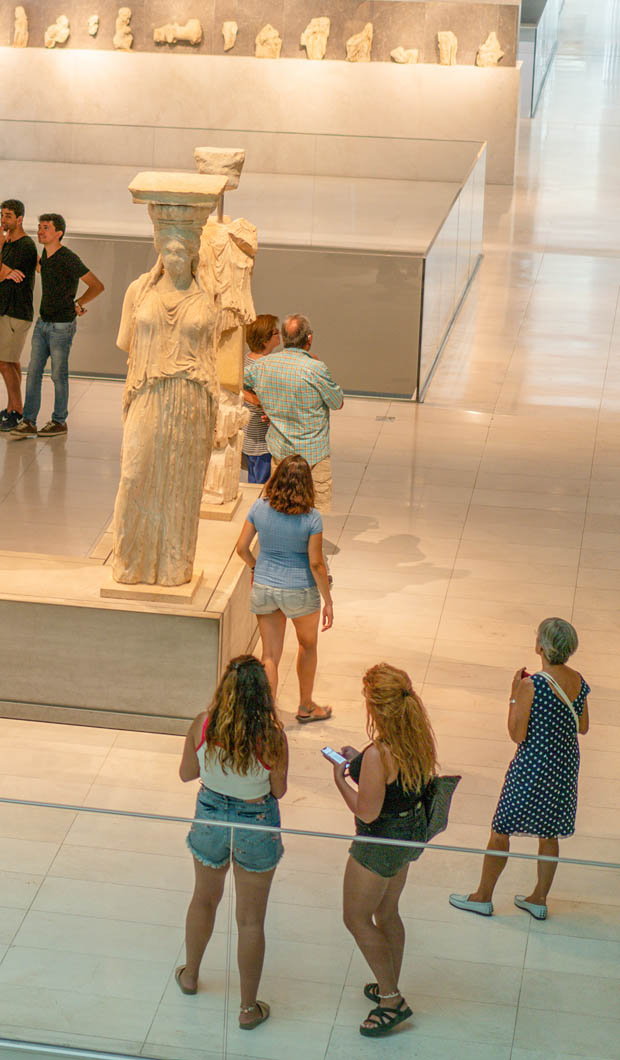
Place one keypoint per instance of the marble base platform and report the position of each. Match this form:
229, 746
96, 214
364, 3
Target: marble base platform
124, 663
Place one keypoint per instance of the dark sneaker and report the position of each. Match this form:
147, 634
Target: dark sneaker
24, 430
52, 429
3, 415
10, 421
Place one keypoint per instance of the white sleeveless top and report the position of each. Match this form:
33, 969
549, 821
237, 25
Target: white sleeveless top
254, 785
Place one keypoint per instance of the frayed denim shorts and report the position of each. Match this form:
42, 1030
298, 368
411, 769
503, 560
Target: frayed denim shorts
294, 603
214, 845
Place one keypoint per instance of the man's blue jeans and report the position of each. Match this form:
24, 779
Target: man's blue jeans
49, 341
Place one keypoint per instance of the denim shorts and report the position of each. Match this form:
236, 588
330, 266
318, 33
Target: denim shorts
387, 860
294, 603
213, 845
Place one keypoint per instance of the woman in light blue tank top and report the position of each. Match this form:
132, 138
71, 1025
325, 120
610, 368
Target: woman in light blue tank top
239, 751
289, 577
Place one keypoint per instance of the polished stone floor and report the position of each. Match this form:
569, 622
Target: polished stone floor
458, 526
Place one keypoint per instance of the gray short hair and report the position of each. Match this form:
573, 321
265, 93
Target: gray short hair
557, 639
296, 330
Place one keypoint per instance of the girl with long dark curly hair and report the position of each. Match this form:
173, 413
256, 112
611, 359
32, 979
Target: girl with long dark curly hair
290, 576
239, 751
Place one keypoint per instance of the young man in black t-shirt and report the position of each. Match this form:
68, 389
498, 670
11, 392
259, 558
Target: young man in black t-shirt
61, 272
18, 263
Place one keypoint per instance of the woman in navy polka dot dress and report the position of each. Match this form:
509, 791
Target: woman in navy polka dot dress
539, 797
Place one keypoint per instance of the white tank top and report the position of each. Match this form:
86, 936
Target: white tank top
254, 785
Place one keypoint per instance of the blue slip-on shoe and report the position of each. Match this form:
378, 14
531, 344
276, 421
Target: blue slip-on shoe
539, 912
462, 901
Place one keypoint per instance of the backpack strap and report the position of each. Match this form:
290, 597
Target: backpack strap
561, 694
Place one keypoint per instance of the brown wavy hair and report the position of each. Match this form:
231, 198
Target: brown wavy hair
258, 333
243, 728
290, 488
397, 719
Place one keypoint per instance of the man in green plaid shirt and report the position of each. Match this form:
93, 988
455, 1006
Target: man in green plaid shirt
297, 391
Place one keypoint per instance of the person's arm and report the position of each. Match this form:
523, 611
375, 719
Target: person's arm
584, 720
123, 339
250, 397
246, 538
94, 287
16, 275
278, 777
367, 801
330, 392
521, 699
319, 573
190, 767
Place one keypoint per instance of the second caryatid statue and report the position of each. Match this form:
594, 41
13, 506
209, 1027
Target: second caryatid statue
168, 328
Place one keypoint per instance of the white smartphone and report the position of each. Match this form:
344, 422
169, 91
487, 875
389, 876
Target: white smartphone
333, 756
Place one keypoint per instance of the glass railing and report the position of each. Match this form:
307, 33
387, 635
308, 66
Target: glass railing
92, 923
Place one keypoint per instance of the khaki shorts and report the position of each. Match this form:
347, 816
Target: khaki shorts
12, 338
322, 480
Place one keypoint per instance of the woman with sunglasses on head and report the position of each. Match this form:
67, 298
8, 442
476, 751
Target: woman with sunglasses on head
262, 337
239, 751
391, 774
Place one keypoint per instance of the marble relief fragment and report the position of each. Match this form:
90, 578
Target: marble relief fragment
448, 43
268, 43
123, 37
93, 25
222, 162
20, 35
229, 33
404, 55
490, 53
58, 32
173, 33
314, 37
359, 45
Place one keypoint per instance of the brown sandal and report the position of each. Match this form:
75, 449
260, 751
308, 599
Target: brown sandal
316, 714
264, 1012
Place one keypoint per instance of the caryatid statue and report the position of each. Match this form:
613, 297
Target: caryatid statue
169, 329
227, 253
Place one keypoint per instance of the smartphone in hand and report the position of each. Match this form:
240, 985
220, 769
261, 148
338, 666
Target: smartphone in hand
334, 757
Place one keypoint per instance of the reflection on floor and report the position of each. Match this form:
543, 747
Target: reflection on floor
459, 525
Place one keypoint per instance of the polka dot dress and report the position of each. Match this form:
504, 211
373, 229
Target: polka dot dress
539, 796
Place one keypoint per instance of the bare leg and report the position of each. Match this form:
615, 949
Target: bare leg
208, 890
272, 628
307, 630
492, 868
546, 871
364, 893
387, 919
252, 893
11, 372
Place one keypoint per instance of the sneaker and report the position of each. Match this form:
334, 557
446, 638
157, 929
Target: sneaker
10, 421
25, 429
52, 429
3, 415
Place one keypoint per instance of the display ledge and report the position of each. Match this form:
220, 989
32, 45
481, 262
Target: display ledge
121, 663
348, 213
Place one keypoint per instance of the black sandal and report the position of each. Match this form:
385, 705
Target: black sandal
386, 1019
371, 991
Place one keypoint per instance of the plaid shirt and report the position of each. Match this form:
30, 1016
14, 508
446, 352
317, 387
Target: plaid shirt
296, 392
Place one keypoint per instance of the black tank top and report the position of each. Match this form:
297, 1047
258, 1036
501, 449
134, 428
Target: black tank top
396, 800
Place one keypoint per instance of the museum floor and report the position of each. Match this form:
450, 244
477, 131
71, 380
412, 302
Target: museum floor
458, 525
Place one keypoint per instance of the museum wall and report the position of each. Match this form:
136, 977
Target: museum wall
407, 23
128, 112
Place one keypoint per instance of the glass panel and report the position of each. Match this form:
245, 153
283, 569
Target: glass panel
93, 907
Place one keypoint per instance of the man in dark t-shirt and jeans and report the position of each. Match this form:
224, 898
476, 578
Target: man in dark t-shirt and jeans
61, 272
18, 264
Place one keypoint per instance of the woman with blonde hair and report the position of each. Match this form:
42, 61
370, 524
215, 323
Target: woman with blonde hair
391, 774
546, 714
239, 751
289, 577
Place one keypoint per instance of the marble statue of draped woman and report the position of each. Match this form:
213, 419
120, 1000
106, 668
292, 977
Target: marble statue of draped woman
167, 328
